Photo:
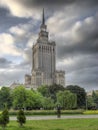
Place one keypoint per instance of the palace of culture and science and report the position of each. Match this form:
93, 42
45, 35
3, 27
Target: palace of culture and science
44, 62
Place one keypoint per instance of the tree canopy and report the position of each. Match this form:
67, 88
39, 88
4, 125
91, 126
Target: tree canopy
5, 98
81, 95
45, 97
66, 99
50, 91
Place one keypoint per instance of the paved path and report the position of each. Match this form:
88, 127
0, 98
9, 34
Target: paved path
55, 117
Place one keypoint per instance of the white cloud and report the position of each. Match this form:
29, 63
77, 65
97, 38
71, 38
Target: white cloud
17, 30
23, 33
18, 9
68, 27
32, 40
8, 76
7, 45
6, 39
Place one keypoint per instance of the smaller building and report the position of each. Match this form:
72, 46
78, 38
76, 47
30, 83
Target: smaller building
14, 85
37, 78
27, 79
60, 77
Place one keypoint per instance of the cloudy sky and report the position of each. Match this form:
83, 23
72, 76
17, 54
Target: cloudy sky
73, 24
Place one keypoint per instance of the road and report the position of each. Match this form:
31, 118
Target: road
55, 117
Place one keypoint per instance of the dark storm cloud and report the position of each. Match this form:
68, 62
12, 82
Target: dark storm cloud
3, 13
87, 78
57, 2
4, 63
79, 62
6, 20
86, 47
87, 35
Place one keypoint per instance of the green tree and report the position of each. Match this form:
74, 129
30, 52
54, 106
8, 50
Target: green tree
48, 103
90, 103
49, 94
66, 99
1, 122
30, 100
21, 119
4, 118
5, 98
26, 99
50, 91
38, 100
81, 95
95, 98
53, 89
19, 97
44, 90
33, 100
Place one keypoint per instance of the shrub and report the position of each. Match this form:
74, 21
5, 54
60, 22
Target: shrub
91, 112
4, 118
21, 119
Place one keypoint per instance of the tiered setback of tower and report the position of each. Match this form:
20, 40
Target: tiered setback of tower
44, 62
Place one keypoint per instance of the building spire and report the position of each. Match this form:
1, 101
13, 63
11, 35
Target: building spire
43, 18
43, 27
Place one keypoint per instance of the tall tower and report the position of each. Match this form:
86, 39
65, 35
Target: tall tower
43, 63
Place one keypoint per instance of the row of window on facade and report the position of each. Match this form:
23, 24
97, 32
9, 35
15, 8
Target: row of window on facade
44, 48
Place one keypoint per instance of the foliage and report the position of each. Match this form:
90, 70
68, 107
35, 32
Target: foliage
53, 89
81, 95
38, 100
4, 118
95, 98
90, 103
29, 100
19, 97
33, 100
5, 98
90, 112
50, 91
45, 97
46, 112
43, 90
48, 103
21, 119
26, 99
67, 99
1, 121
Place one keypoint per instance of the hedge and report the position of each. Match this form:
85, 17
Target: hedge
91, 112
47, 112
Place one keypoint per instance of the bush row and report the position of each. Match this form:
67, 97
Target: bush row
47, 112
91, 112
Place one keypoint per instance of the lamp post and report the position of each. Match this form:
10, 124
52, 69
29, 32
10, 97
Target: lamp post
86, 103
58, 111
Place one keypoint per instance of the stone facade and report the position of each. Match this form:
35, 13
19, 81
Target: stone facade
60, 77
44, 62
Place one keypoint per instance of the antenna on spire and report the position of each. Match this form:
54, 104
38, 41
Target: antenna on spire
43, 18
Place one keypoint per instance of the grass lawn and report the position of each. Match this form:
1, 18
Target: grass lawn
60, 124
